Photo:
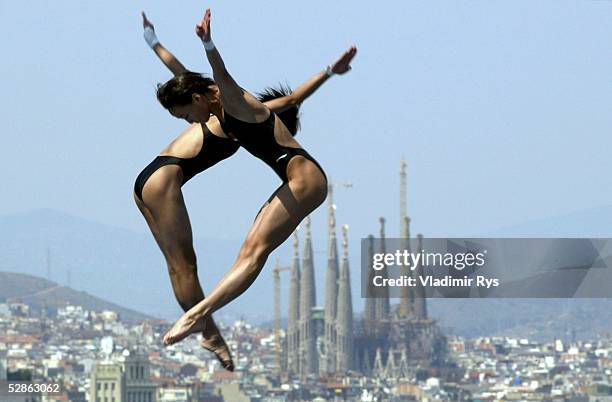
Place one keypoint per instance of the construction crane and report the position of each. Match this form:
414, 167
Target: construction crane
331, 207
330, 190
277, 313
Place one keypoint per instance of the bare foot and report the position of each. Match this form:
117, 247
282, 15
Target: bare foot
216, 344
181, 329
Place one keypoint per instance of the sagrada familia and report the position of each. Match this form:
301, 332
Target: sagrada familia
389, 341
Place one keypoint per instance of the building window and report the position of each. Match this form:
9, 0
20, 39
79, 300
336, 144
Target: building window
113, 386
105, 386
98, 386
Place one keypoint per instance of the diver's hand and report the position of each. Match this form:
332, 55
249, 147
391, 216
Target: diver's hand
149, 32
343, 64
145, 21
203, 27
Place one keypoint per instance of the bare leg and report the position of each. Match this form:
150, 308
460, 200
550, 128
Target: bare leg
164, 210
292, 202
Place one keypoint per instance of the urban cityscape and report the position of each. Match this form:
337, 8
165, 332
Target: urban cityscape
393, 351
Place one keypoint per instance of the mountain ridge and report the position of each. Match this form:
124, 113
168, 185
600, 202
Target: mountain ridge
41, 294
45, 242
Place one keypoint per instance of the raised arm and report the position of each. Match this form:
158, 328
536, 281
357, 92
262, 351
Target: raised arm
340, 66
235, 100
169, 60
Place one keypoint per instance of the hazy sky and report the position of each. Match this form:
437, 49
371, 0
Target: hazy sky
501, 109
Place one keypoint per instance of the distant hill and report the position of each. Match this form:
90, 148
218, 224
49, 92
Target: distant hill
123, 266
127, 269
540, 319
536, 318
40, 293
115, 264
592, 222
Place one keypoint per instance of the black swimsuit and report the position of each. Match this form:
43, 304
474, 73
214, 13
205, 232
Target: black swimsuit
258, 139
214, 149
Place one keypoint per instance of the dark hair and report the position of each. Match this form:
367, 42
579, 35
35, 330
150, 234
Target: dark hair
178, 90
291, 116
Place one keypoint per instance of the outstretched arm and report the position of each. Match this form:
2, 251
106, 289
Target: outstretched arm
340, 66
164, 54
235, 100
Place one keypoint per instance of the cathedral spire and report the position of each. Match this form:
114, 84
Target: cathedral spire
293, 340
345, 311
308, 358
382, 301
331, 290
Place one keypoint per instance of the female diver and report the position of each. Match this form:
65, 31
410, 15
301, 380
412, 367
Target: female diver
157, 190
256, 128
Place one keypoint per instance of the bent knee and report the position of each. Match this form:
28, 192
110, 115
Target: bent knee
313, 192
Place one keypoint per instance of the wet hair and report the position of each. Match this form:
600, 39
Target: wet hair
291, 116
178, 90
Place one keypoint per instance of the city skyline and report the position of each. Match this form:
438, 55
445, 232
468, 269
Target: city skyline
496, 114
96, 353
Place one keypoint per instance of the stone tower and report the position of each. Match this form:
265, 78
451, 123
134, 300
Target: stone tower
293, 316
382, 302
344, 320
369, 314
308, 356
406, 294
420, 305
331, 288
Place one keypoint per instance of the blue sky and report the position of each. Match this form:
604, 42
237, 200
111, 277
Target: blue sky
501, 109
